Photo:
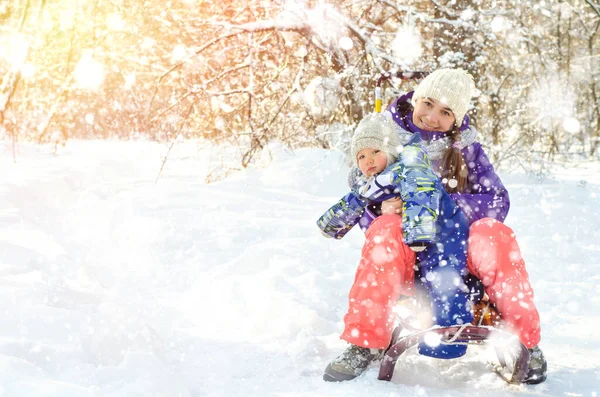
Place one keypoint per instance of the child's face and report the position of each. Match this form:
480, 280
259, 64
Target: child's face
433, 115
371, 161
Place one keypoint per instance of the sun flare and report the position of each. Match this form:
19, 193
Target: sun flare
89, 73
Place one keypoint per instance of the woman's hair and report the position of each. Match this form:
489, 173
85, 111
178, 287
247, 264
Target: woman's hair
453, 164
403, 107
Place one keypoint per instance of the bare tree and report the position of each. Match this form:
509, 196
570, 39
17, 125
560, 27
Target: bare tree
298, 71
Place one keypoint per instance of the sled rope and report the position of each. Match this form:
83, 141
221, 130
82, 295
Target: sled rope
485, 311
456, 335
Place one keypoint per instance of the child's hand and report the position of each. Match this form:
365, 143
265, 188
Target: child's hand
391, 206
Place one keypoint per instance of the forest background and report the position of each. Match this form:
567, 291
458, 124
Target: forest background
301, 72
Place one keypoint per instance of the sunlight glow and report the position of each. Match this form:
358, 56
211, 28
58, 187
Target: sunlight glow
89, 74
407, 45
27, 70
551, 100
322, 21
220, 123
571, 124
497, 24
130, 81
16, 54
66, 19
115, 22
346, 43
179, 52
148, 43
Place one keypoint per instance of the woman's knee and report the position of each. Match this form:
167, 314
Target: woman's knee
490, 227
492, 251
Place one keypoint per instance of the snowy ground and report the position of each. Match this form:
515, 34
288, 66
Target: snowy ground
113, 285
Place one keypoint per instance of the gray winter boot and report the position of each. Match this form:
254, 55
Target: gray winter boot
537, 367
353, 362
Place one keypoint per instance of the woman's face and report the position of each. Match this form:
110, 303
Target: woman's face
433, 115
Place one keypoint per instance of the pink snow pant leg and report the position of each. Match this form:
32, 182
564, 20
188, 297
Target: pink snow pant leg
386, 271
495, 258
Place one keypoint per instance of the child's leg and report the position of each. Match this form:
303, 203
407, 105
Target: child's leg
495, 258
443, 270
386, 271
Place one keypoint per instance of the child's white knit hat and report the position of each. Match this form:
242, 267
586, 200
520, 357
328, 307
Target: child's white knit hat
376, 131
453, 87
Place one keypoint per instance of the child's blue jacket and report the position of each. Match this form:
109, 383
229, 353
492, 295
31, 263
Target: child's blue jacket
426, 206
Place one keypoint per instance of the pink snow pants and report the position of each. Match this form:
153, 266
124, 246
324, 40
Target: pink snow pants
494, 257
387, 268
385, 272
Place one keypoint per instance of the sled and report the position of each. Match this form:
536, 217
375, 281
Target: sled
513, 358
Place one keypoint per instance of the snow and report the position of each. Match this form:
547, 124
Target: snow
114, 285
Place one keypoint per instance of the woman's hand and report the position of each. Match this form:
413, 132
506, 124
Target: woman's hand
391, 206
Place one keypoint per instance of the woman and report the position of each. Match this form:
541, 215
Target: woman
436, 111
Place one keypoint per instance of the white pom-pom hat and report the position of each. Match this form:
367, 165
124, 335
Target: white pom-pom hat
452, 87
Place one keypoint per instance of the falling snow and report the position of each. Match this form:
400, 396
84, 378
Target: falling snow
123, 273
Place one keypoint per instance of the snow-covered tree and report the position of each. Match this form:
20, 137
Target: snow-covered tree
255, 71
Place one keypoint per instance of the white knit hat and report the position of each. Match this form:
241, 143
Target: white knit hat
376, 131
453, 87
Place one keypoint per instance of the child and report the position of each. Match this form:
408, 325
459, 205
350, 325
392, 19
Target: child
430, 225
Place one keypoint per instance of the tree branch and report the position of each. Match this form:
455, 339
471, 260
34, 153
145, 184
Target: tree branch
595, 7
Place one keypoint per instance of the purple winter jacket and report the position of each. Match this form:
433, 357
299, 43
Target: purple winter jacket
485, 196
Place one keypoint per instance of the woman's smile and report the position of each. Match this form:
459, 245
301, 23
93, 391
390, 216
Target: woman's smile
428, 126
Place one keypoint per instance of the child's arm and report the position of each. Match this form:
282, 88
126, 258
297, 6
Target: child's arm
342, 217
392, 206
421, 191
